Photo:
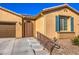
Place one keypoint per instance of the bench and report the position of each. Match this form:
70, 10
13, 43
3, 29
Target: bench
47, 42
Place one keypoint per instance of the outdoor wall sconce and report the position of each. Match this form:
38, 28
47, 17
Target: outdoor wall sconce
20, 23
24, 21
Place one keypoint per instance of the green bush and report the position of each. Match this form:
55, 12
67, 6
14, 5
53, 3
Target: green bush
75, 41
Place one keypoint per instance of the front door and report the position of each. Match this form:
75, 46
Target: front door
28, 29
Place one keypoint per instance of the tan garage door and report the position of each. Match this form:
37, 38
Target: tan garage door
7, 30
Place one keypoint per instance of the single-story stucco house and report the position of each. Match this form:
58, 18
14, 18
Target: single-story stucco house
61, 22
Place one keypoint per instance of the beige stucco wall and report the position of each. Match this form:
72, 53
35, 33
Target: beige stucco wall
47, 24
66, 35
40, 26
9, 17
34, 29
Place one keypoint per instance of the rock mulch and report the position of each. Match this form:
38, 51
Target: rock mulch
66, 48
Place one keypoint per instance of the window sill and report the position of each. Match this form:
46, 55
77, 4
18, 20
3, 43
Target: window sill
65, 32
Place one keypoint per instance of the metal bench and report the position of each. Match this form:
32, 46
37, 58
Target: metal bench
47, 43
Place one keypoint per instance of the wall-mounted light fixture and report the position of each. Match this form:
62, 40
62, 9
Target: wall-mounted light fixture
20, 23
24, 21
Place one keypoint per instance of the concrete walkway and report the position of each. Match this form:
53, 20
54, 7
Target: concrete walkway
24, 46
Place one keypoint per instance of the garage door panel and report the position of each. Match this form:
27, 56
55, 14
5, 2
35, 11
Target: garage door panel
7, 30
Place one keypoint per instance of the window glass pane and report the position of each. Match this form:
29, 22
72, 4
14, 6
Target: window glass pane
63, 23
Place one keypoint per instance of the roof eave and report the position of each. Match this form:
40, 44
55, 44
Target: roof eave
11, 11
50, 9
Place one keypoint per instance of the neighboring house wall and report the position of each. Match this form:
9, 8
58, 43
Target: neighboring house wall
47, 24
9, 17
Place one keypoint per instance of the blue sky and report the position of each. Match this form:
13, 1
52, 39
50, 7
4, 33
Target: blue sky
33, 8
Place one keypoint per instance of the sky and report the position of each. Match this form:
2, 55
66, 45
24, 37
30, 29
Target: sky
33, 8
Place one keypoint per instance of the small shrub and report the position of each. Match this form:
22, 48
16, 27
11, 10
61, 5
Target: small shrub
75, 41
55, 39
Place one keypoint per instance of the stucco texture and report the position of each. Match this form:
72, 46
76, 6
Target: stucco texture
46, 24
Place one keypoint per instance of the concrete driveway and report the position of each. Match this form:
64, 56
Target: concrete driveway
23, 46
